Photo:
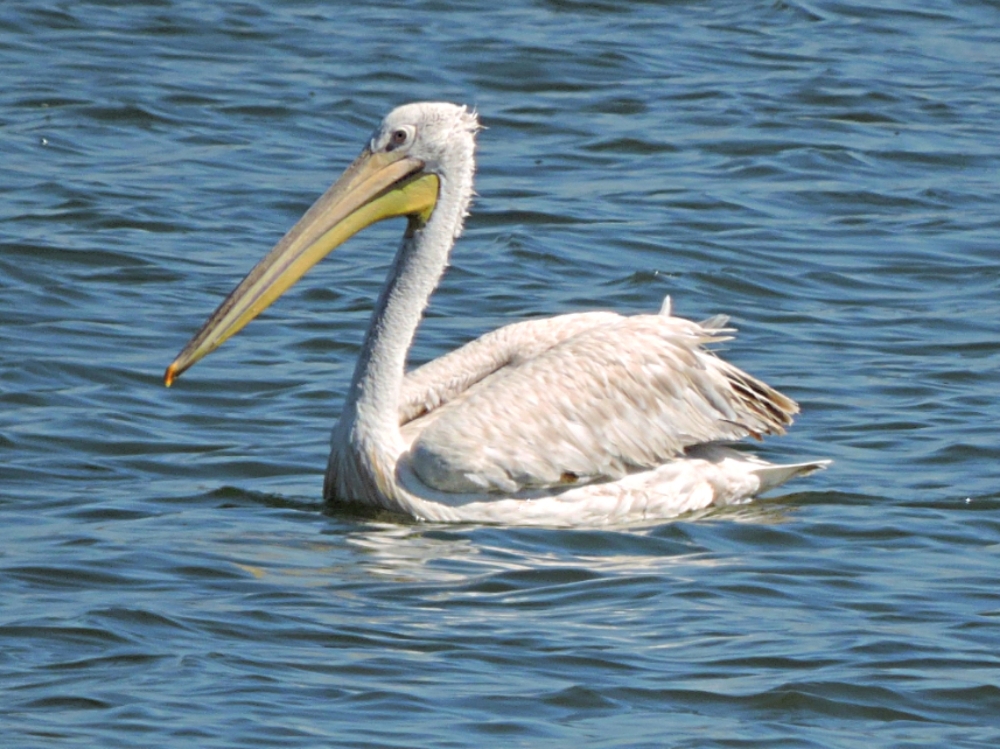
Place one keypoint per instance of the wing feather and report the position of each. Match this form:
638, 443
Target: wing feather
616, 397
439, 381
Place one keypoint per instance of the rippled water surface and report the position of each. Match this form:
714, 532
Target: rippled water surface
826, 172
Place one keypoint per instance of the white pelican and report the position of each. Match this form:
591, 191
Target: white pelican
582, 419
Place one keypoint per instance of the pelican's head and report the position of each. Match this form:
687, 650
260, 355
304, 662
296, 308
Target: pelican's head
439, 134
420, 154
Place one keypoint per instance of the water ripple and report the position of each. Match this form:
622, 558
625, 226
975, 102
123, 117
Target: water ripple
824, 171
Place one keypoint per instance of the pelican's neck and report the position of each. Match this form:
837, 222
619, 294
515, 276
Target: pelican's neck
373, 400
371, 410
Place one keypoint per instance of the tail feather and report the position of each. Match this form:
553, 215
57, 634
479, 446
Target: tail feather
772, 476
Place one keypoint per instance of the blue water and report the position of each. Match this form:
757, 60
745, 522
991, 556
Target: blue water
825, 172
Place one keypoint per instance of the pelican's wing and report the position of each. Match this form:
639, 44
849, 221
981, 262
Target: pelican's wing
612, 399
439, 381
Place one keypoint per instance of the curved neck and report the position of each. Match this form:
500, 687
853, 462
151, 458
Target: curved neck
371, 410
372, 403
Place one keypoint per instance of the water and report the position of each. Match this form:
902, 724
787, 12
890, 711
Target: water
826, 172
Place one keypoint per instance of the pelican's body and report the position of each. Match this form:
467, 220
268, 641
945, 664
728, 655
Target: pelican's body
581, 419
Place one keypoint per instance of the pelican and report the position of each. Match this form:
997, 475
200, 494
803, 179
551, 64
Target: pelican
591, 418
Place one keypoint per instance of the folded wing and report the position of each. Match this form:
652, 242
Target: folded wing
620, 395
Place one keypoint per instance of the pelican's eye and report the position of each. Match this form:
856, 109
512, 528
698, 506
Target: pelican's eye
399, 137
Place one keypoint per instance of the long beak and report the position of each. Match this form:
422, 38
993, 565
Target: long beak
376, 186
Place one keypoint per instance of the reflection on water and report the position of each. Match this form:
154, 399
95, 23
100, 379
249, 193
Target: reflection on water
445, 554
409, 553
